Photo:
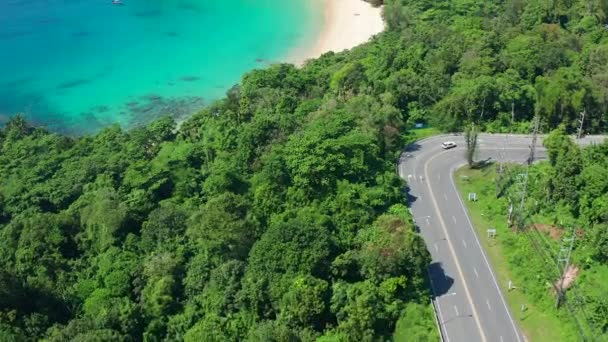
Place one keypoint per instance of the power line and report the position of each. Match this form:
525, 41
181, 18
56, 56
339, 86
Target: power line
520, 217
582, 122
547, 259
534, 139
524, 193
563, 262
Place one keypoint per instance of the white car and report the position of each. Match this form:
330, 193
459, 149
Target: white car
448, 145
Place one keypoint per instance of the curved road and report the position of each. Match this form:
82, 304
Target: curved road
470, 304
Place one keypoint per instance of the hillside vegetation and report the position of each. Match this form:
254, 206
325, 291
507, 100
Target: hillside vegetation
566, 194
276, 214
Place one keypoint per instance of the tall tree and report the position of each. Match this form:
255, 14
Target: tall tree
470, 138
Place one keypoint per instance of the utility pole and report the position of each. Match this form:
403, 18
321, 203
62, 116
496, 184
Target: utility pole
501, 156
534, 139
512, 114
522, 188
563, 261
510, 213
470, 137
502, 168
581, 121
483, 108
524, 191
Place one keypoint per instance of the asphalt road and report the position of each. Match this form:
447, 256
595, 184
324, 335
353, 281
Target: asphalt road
471, 306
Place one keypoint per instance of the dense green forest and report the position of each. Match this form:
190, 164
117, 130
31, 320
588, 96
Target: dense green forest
276, 214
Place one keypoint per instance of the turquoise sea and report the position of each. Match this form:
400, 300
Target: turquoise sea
75, 66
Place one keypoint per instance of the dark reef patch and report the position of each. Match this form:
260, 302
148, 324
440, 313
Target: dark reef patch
18, 83
150, 107
37, 111
104, 71
190, 78
81, 34
148, 14
47, 21
21, 3
15, 34
152, 97
101, 109
73, 83
88, 123
188, 6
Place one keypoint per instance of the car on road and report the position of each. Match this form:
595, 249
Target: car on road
446, 145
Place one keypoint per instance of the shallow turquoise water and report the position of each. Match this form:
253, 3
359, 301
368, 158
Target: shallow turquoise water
78, 65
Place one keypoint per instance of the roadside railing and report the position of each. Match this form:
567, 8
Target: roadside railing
441, 338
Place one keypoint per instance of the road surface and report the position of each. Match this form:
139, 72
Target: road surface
470, 304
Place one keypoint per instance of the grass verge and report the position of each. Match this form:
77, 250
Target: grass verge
416, 134
512, 259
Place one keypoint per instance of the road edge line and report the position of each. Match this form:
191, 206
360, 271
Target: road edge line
483, 252
456, 260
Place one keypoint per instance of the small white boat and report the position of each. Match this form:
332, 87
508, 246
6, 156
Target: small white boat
117, 2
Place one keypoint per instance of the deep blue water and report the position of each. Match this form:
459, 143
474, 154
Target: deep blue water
78, 65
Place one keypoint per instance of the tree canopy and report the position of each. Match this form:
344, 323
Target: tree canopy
275, 213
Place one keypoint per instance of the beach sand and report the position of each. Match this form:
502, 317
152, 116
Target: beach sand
347, 23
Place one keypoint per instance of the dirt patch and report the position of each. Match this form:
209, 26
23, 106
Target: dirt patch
555, 233
569, 277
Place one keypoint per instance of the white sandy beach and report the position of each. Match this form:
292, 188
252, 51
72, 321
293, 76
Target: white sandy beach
347, 23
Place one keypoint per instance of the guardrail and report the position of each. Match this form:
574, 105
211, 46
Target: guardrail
441, 338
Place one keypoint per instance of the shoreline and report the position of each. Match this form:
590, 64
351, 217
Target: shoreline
345, 25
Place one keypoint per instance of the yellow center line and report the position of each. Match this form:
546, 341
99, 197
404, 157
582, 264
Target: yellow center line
451, 247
